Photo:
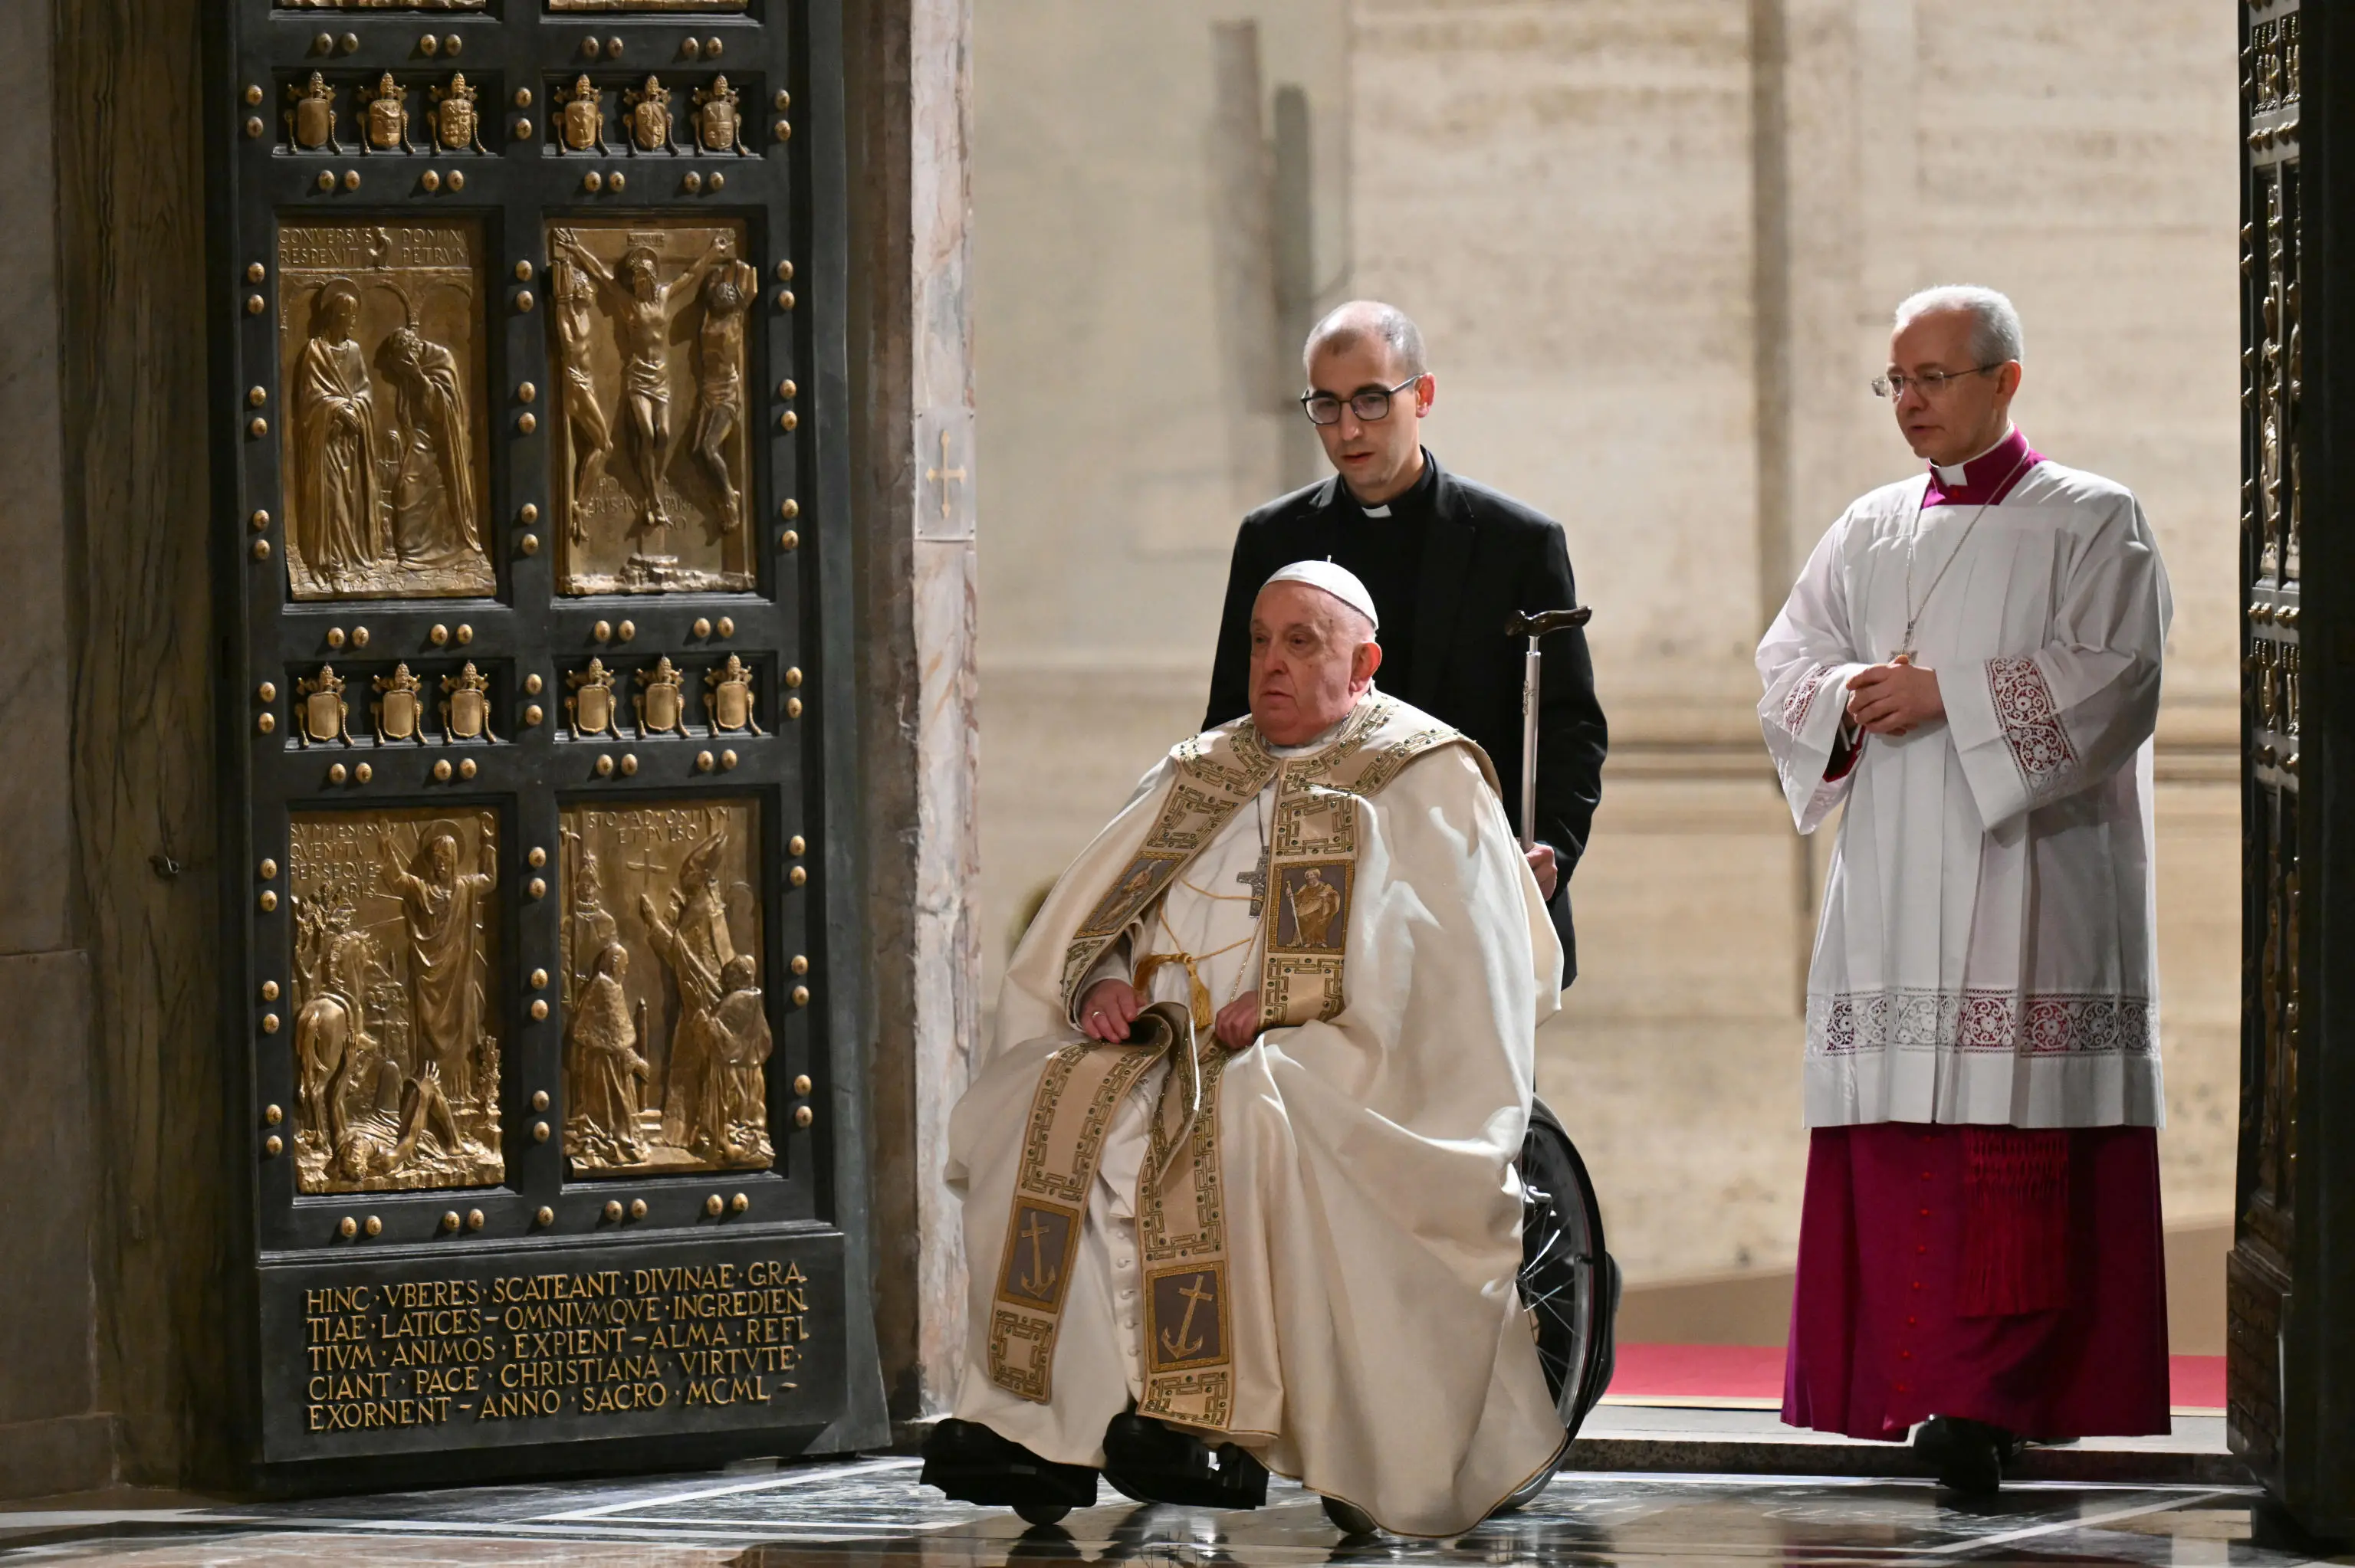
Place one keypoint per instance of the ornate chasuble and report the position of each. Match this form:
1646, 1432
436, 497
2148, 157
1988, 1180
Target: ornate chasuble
1311, 878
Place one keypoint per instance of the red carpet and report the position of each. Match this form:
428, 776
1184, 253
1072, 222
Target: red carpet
1753, 1372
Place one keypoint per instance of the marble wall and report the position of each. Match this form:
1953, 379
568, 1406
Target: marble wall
912, 499
1653, 245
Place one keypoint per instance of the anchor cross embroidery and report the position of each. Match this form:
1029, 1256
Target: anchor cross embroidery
1184, 1345
1042, 1277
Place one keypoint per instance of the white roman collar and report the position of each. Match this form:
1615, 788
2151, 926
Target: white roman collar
1955, 474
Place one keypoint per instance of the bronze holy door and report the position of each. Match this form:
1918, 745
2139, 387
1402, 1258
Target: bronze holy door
2291, 1275
530, 451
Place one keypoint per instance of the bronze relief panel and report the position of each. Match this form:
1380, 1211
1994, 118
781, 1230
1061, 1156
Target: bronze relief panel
396, 1033
656, 5
666, 1034
386, 459
653, 460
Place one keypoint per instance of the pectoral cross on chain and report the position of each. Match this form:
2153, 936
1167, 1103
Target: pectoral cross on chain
1256, 880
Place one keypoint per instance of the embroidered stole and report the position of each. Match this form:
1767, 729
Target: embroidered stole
1180, 1212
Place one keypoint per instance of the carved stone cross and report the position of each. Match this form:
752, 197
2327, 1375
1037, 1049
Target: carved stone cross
944, 475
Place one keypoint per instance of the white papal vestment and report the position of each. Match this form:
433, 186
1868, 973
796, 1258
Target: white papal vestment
1370, 1209
1986, 951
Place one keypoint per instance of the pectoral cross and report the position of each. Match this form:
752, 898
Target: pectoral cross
1256, 880
1184, 1345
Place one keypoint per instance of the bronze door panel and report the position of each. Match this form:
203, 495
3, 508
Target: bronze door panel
394, 1030
537, 845
380, 334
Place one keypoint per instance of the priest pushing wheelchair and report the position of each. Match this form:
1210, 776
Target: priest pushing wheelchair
1254, 1156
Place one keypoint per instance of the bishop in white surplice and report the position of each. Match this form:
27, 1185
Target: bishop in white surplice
1986, 953
1969, 667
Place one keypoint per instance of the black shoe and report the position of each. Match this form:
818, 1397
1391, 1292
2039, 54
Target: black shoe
969, 1463
1966, 1456
1152, 1462
1350, 1520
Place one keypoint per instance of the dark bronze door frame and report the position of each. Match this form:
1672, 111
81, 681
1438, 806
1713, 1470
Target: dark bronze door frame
529, 423
2291, 1277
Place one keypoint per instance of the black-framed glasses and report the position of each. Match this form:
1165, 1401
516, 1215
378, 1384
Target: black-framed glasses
1930, 382
1368, 405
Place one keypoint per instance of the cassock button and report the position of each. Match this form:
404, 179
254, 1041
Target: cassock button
1904, 1355
1902, 1388
1925, 1175
1917, 1285
1926, 1213
1919, 1250
1912, 1322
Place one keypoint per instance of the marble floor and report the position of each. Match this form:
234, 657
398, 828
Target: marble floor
872, 1512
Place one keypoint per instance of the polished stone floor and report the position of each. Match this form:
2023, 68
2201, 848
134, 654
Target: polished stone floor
871, 1512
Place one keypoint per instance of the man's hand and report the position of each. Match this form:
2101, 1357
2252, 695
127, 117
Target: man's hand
1541, 861
1238, 1023
1895, 698
1108, 1009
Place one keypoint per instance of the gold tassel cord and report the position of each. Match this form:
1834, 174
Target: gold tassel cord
1198, 994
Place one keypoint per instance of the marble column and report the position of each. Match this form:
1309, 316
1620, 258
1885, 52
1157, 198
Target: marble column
911, 371
52, 1435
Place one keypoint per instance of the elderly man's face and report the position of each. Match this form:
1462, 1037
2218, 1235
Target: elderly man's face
1376, 457
1969, 413
1312, 658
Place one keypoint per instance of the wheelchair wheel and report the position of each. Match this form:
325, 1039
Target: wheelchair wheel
1569, 1283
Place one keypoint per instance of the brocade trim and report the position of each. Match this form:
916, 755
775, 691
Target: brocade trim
2031, 724
1802, 697
2038, 1024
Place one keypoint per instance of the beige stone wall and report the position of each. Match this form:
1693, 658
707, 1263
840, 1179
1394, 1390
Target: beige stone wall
1655, 268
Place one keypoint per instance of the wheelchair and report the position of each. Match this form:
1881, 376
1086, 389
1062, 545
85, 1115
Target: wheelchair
1570, 1288
1569, 1283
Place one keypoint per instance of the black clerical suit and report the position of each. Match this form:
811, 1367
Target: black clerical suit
1447, 564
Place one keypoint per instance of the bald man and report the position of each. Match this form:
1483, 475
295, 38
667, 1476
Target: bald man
1447, 561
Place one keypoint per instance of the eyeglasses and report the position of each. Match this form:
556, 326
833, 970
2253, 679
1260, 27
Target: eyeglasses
1369, 405
1930, 382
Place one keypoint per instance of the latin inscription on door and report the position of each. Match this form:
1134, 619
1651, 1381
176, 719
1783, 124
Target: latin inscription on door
377, 1357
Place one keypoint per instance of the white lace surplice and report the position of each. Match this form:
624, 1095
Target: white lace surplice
1986, 953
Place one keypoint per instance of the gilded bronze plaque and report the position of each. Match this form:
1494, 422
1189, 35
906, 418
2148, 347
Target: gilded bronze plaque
648, 332
561, 6
396, 1047
386, 457
666, 1029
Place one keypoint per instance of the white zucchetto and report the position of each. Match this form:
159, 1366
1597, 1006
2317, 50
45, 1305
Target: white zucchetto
1338, 581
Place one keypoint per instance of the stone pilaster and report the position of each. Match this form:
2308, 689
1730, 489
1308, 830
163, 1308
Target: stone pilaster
911, 360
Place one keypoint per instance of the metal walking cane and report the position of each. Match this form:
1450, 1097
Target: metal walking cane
1568, 1281
1535, 627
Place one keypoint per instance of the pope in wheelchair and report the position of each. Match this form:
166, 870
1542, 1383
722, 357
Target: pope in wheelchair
1244, 1169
